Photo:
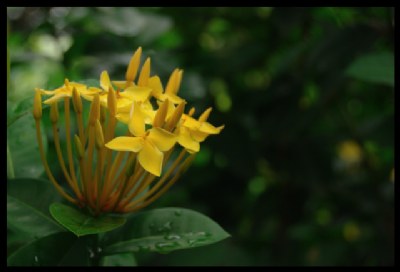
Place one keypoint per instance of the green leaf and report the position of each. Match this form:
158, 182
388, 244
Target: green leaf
15, 240
23, 146
123, 259
28, 202
61, 249
84, 224
375, 68
163, 230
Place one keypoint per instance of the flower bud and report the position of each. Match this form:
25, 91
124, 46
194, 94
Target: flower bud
176, 116
99, 135
76, 100
171, 85
178, 80
204, 116
94, 110
191, 111
144, 73
133, 65
79, 147
37, 105
54, 112
160, 115
112, 101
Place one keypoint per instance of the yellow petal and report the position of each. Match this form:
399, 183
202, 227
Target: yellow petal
123, 117
79, 86
171, 97
56, 97
120, 84
148, 112
123, 143
190, 122
124, 108
91, 90
136, 123
185, 140
155, 84
46, 92
133, 65
105, 82
137, 93
210, 129
151, 159
162, 139
198, 136
123, 102
144, 73
89, 93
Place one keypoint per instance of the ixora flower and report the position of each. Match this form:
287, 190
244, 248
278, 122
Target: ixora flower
122, 173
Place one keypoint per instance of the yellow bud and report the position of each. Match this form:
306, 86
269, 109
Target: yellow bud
79, 147
105, 80
94, 110
160, 115
176, 116
66, 83
112, 101
191, 111
178, 81
37, 105
133, 65
144, 73
76, 101
171, 85
99, 135
204, 116
54, 112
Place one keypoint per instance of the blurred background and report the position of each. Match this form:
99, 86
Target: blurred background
302, 174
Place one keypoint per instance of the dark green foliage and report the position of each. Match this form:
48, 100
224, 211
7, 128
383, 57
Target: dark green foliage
301, 174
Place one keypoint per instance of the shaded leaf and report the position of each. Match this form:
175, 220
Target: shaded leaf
84, 224
28, 201
123, 259
375, 68
22, 133
61, 249
164, 230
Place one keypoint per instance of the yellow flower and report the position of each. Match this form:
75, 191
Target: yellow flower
171, 90
131, 71
124, 99
149, 144
141, 91
123, 173
66, 91
124, 113
191, 131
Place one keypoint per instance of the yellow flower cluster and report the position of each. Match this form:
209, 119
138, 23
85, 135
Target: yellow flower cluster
123, 173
